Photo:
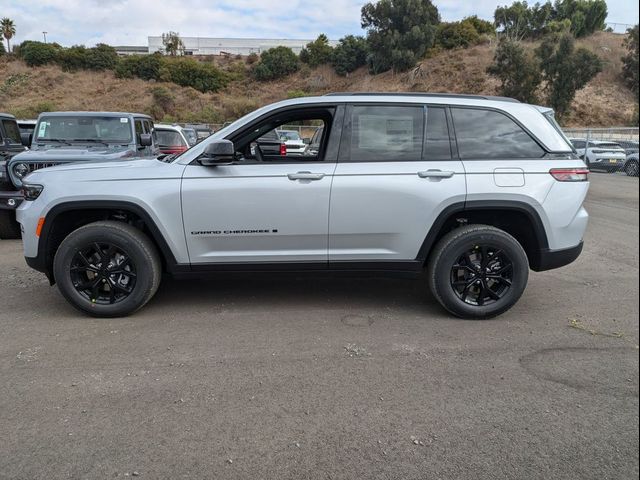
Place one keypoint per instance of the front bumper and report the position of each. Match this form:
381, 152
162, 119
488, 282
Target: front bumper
547, 259
10, 200
608, 163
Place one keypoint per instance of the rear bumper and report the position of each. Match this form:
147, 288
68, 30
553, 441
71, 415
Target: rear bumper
547, 259
10, 200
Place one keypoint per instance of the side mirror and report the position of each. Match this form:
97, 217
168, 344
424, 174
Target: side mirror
25, 138
219, 152
146, 140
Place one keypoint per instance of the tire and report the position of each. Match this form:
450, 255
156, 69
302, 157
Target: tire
631, 168
107, 269
451, 273
9, 227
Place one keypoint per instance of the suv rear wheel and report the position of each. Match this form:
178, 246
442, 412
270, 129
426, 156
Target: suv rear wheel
478, 271
107, 269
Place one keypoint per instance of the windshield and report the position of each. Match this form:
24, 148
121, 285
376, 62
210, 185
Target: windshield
11, 130
287, 135
168, 138
83, 128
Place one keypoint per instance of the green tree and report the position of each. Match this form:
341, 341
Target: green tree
456, 35
483, 27
399, 32
8, 29
2, 49
349, 54
586, 16
519, 72
317, 52
146, 67
38, 53
101, 57
630, 60
276, 63
514, 21
565, 70
188, 72
173, 44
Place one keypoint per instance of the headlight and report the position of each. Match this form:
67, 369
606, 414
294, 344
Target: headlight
21, 169
31, 191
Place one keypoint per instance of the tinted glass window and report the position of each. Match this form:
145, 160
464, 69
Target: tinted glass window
488, 134
437, 145
578, 143
84, 128
386, 133
11, 130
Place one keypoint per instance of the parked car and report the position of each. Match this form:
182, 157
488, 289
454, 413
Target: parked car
202, 131
631, 165
27, 126
629, 146
65, 137
269, 146
191, 135
475, 190
600, 155
171, 139
293, 141
10, 145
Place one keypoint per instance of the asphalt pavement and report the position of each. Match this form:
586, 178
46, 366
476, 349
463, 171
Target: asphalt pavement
331, 378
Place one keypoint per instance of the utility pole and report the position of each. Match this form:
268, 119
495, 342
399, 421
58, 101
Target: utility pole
44, 34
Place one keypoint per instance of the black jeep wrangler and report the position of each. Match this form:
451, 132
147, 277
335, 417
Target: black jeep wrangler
10, 145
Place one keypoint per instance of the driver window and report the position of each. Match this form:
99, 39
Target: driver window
294, 138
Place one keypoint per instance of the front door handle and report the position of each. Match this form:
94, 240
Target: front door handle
305, 176
436, 174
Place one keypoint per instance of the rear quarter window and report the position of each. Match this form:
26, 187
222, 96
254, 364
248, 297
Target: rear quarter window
487, 134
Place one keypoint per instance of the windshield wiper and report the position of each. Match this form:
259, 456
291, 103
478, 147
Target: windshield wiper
90, 140
57, 140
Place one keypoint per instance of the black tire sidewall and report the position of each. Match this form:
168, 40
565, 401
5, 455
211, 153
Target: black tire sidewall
139, 256
454, 249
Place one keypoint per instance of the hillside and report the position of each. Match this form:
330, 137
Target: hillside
26, 91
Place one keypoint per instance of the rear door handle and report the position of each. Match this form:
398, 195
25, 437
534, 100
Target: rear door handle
305, 176
436, 174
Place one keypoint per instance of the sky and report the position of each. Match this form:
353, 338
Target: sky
130, 22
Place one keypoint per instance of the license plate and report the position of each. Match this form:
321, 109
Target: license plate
613, 160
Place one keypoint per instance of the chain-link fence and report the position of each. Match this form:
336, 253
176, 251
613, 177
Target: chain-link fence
609, 150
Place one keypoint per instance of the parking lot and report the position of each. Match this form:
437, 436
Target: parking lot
331, 378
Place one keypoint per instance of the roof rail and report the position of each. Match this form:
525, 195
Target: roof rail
423, 94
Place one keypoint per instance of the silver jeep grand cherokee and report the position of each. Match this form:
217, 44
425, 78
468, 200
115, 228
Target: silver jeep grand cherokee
476, 190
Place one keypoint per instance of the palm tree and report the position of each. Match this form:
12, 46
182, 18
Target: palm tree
8, 29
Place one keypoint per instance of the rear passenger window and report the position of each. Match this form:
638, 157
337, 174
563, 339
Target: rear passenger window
486, 134
386, 133
437, 144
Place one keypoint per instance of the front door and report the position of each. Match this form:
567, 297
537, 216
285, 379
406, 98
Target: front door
268, 206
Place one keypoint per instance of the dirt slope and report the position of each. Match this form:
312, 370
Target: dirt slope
25, 91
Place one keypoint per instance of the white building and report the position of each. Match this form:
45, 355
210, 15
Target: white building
233, 46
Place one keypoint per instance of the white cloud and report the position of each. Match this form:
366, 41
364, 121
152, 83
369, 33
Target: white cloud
129, 22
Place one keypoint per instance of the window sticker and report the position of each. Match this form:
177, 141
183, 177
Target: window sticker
42, 128
124, 120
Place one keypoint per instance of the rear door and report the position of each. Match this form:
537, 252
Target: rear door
396, 172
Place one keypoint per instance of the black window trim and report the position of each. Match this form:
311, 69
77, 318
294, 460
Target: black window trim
329, 148
453, 151
545, 150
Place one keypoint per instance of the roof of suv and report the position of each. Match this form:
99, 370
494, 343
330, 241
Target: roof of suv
94, 114
6, 115
423, 94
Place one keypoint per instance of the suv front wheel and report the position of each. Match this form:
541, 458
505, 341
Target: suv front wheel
478, 271
107, 269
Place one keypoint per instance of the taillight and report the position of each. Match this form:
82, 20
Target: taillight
570, 174
283, 150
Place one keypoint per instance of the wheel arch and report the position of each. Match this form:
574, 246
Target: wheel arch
65, 217
519, 219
